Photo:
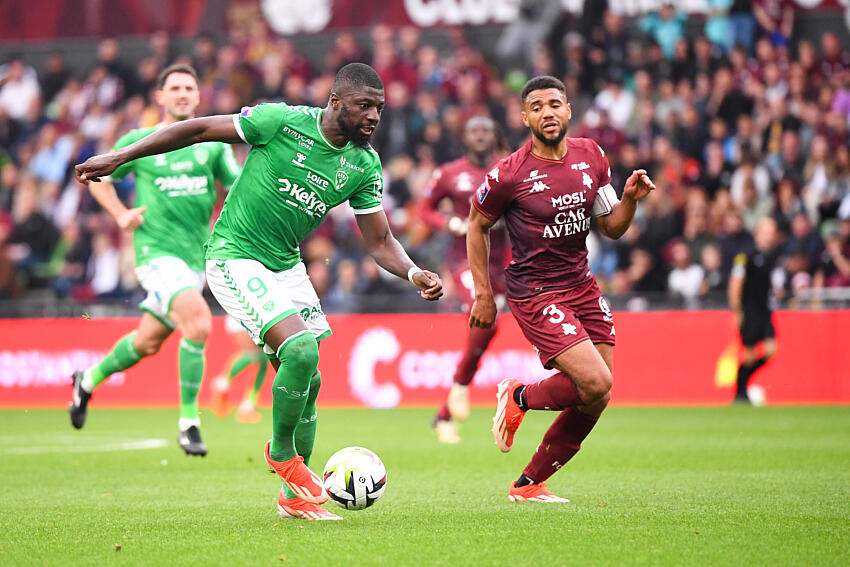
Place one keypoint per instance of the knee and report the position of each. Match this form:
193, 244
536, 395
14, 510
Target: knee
198, 329
596, 387
301, 354
147, 347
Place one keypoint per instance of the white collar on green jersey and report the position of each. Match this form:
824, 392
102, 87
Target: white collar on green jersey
322, 134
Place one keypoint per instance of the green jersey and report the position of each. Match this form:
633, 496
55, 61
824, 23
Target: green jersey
293, 176
178, 189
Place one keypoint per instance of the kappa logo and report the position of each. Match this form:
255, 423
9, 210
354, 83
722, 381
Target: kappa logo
299, 159
534, 175
586, 179
538, 187
494, 174
463, 182
581, 166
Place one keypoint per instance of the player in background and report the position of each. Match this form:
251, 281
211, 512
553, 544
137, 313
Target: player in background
547, 192
750, 286
175, 195
247, 354
446, 207
303, 162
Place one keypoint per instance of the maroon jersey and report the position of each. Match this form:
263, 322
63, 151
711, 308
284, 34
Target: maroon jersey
547, 207
457, 182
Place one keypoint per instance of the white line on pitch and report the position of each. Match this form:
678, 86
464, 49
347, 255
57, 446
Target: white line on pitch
128, 446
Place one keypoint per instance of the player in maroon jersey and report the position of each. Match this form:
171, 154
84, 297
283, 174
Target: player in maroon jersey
446, 207
547, 192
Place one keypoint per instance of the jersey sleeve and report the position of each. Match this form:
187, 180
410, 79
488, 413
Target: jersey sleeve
739, 265
495, 194
606, 196
226, 167
127, 168
257, 125
367, 198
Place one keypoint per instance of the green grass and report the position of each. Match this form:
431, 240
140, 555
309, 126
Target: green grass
663, 486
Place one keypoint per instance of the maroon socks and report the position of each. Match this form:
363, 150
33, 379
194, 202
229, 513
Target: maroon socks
561, 441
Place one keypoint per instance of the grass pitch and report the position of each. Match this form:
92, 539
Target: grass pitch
664, 486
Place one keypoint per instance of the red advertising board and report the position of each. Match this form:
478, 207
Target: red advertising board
383, 361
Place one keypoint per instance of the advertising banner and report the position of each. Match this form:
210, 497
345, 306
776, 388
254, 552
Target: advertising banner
384, 361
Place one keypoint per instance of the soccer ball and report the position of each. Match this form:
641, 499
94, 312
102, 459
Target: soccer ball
355, 478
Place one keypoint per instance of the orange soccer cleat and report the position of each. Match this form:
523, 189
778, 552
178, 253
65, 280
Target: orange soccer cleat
508, 415
297, 508
533, 493
247, 413
218, 397
300, 480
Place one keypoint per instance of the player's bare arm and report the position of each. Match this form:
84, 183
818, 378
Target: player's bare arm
390, 255
483, 312
173, 137
126, 219
736, 294
637, 187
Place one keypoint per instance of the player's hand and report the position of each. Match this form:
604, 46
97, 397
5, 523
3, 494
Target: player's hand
429, 284
130, 219
483, 312
97, 166
638, 185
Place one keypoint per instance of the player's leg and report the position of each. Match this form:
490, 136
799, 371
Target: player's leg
247, 410
193, 317
144, 341
262, 302
246, 354
298, 352
755, 328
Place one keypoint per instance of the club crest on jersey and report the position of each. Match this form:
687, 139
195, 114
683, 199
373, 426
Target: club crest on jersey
463, 182
581, 166
483, 189
202, 155
340, 180
534, 175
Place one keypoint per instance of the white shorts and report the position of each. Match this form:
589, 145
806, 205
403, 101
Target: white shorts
260, 298
163, 278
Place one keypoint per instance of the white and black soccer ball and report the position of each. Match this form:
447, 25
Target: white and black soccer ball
355, 478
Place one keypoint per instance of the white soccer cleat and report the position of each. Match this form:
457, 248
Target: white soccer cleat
458, 401
446, 432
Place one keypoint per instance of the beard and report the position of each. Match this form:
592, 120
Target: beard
551, 142
352, 129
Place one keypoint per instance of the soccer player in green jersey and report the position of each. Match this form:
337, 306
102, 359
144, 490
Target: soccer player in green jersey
175, 195
303, 162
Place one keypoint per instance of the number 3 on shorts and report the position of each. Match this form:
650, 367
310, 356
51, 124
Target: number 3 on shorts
556, 316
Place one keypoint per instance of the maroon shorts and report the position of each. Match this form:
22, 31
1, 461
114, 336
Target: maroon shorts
554, 321
462, 278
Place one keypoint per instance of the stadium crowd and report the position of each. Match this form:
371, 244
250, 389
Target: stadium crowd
732, 125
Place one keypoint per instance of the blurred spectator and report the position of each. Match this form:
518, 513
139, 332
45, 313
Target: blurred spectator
718, 28
19, 90
836, 59
686, 278
665, 26
834, 268
714, 280
776, 19
742, 24
55, 77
